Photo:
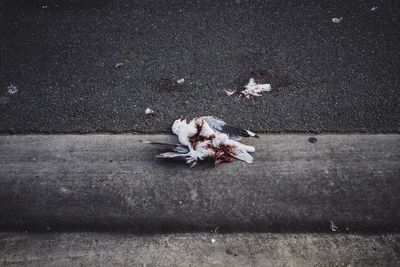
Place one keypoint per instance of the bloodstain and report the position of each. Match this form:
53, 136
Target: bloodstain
223, 153
199, 138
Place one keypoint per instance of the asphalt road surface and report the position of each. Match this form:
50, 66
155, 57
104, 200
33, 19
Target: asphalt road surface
60, 65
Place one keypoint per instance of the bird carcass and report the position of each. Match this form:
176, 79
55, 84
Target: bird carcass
208, 138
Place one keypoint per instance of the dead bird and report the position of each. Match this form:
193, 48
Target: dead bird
208, 138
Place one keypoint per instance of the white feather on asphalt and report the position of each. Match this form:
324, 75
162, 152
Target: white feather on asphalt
149, 111
252, 89
255, 89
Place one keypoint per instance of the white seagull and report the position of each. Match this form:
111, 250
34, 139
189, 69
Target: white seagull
208, 138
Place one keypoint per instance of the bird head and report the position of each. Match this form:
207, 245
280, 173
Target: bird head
178, 124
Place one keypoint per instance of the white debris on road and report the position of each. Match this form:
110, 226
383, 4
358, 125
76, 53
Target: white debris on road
334, 228
149, 111
213, 240
230, 92
254, 89
207, 138
337, 20
251, 89
373, 8
118, 65
12, 89
180, 81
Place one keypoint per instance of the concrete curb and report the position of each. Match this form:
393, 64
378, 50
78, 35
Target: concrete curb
200, 249
339, 183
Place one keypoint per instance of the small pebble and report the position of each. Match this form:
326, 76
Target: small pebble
230, 252
312, 140
149, 111
337, 20
334, 228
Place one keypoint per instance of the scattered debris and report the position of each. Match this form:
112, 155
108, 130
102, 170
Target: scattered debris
4, 100
312, 140
118, 65
44, 7
337, 20
180, 81
207, 138
213, 240
231, 252
251, 89
149, 112
12, 89
230, 92
254, 89
334, 228
373, 8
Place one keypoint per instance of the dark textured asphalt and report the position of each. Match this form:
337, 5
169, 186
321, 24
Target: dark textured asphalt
326, 77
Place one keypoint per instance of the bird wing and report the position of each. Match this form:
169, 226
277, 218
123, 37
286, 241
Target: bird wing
172, 155
178, 148
243, 155
232, 131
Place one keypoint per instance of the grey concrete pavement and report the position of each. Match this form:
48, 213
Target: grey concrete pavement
326, 77
106, 249
336, 183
